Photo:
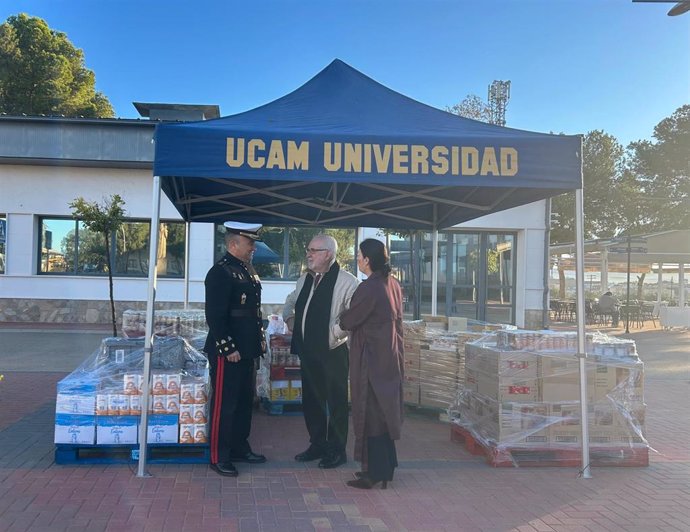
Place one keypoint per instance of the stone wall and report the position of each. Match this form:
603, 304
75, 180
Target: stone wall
70, 311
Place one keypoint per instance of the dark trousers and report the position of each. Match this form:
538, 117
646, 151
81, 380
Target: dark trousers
231, 407
324, 398
382, 457
380, 452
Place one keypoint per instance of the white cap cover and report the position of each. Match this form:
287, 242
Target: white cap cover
244, 229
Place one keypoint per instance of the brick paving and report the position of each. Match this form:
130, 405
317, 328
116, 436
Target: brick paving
438, 487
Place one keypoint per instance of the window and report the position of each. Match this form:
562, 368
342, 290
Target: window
132, 249
68, 247
3, 238
476, 273
58, 246
281, 255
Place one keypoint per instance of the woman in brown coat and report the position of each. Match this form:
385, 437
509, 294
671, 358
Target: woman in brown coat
376, 366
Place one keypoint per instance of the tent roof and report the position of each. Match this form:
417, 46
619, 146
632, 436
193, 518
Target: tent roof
344, 150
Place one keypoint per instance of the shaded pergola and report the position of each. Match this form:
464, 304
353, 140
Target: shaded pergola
653, 251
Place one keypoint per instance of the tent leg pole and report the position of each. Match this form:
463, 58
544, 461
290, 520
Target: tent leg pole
186, 264
148, 339
434, 273
585, 471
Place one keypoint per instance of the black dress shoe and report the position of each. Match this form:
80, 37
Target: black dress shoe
333, 460
365, 483
313, 453
225, 468
249, 457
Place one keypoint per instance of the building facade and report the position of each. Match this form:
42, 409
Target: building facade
52, 268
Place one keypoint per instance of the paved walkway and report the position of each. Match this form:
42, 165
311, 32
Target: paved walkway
438, 487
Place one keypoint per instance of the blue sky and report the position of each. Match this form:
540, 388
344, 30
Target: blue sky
574, 65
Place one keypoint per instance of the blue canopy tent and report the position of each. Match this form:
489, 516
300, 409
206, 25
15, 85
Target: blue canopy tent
265, 255
344, 150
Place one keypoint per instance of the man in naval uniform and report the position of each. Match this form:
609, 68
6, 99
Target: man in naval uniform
235, 340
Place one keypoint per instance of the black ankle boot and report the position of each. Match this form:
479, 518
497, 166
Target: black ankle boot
366, 483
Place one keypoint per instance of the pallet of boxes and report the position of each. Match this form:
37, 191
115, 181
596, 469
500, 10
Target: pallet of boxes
188, 323
98, 406
285, 381
521, 400
281, 392
435, 360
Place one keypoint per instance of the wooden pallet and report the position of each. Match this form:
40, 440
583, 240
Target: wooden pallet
282, 408
545, 456
171, 453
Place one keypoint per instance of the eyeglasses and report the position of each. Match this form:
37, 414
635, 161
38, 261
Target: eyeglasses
311, 251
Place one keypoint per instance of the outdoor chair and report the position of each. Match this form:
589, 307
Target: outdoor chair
647, 313
632, 314
602, 317
590, 313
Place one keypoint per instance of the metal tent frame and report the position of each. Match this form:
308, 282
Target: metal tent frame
341, 105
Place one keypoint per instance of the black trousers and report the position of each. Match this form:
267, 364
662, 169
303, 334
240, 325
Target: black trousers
382, 456
324, 398
380, 453
231, 407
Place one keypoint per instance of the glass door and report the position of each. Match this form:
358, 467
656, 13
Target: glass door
476, 273
500, 276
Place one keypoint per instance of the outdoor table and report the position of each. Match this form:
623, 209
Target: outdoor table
674, 316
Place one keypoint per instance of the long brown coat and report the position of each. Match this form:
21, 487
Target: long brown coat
376, 354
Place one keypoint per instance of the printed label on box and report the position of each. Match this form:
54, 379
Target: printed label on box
186, 414
75, 403
173, 383
163, 429
117, 430
200, 434
75, 429
172, 404
199, 414
200, 393
187, 393
186, 433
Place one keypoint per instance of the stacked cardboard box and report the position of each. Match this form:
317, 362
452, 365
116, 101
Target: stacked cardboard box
285, 380
75, 420
435, 358
100, 402
523, 389
186, 323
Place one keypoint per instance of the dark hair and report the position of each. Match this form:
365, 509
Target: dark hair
376, 252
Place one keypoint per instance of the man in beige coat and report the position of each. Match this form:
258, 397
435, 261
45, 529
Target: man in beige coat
312, 311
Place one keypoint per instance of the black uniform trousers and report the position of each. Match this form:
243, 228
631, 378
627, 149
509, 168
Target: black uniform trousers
324, 398
231, 407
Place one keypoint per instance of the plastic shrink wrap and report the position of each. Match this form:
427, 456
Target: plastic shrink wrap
190, 323
279, 378
435, 358
100, 402
522, 391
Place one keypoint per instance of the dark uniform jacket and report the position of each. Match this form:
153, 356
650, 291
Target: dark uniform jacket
233, 309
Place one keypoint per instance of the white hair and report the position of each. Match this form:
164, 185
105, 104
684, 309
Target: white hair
329, 243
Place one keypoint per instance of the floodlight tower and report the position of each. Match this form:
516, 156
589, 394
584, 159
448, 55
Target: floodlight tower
681, 7
499, 94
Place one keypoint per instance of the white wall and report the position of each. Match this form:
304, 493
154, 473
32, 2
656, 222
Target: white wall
32, 191
528, 221
48, 190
